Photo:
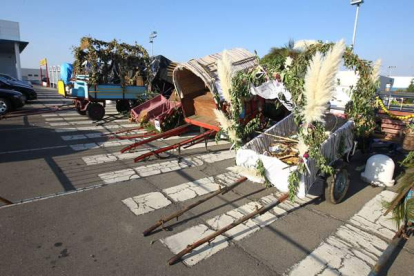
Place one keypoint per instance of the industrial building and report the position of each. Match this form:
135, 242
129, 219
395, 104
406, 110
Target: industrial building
10, 48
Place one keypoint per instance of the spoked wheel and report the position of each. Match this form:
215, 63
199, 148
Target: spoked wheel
4, 106
122, 106
95, 111
337, 186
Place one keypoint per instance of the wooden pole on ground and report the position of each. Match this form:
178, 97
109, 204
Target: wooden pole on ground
191, 206
6, 201
210, 237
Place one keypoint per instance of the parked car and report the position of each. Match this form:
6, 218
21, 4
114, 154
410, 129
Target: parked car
24, 89
14, 80
10, 100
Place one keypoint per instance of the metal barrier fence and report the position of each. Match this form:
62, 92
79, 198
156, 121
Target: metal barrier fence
54, 75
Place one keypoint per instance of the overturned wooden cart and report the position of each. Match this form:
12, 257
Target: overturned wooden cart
198, 87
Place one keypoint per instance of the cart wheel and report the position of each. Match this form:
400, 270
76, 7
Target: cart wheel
80, 112
122, 106
337, 186
96, 111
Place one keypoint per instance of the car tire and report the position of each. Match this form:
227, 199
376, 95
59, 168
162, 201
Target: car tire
5, 106
95, 111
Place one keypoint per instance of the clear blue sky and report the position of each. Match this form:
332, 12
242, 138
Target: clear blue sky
188, 29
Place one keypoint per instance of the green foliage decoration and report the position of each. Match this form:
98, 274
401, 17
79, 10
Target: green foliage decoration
360, 109
131, 61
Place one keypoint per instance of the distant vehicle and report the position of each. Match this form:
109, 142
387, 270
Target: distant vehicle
14, 80
24, 89
10, 100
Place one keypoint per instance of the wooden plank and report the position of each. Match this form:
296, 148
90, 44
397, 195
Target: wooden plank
394, 122
392, 126
392, 131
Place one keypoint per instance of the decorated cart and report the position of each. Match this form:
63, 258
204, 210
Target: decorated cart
337, 148
106, 71
309, 145
201, 94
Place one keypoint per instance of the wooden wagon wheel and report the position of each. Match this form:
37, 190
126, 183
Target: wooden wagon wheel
337, 185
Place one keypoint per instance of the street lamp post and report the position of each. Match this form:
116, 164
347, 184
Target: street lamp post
390, 68
357, 3
151, 40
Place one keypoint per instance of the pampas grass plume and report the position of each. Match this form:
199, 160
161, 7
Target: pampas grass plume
225, 74
320, 82
376, 71
222, 119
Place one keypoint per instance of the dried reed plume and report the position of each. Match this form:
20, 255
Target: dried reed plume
222, 119
303, 44
376, 71
225, 74
320, 82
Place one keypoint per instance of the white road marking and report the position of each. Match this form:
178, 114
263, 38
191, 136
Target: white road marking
58, 119
352, 251
72, 129
181, 240
164, 167
146, 203
112, 157
87, 122
178, 193
107, 144
94, 135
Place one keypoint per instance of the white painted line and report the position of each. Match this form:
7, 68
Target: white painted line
29, 150
350, 250
59, 119
193, 189
371, 218
87, 122
179, 193
106, 158
107, 144
71, 129
179, 241
168, 166
146, 203
94, 135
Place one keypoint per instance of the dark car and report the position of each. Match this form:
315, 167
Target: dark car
24, 89
10, 100
14, 80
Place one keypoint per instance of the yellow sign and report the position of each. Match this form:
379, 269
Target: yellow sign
43, 62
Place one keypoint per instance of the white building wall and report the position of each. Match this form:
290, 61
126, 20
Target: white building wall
32, 75
401, 82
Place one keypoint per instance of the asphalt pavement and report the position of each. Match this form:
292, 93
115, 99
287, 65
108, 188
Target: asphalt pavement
81, 207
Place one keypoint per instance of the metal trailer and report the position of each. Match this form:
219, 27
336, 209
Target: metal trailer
90, 99
337, 148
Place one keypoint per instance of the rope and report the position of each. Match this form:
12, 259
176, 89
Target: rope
403, 118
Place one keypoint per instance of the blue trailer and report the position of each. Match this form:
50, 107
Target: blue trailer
90, 99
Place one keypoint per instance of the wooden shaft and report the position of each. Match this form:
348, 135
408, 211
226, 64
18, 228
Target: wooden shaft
6, 201
191, 206
278, 137
210, 237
